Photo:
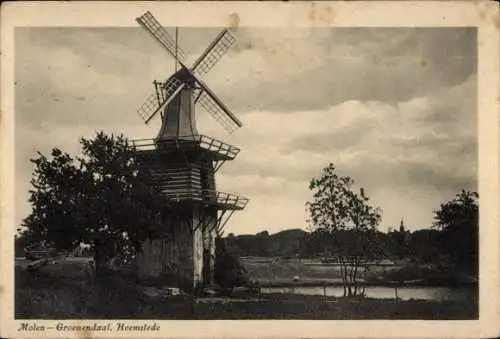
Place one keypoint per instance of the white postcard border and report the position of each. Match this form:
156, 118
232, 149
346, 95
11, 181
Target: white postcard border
375, 14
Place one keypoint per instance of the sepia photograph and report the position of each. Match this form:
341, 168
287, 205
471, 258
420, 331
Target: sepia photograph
171, 169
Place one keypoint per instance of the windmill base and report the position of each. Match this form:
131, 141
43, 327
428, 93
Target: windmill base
183, 257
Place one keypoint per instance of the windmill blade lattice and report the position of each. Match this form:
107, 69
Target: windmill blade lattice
214, 52
162, 96
215, 111
148, 21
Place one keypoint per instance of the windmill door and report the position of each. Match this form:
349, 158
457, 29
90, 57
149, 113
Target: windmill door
207, 276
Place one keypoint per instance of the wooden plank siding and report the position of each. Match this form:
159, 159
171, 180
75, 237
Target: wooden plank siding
170, 180
178, 178
176, 257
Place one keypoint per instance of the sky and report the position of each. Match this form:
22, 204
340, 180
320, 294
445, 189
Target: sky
394, 108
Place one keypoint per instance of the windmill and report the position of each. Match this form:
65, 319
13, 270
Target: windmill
186, 80
183, 164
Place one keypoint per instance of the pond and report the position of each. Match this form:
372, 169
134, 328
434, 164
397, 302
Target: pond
384, 292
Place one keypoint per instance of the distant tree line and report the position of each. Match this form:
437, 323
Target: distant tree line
452, 239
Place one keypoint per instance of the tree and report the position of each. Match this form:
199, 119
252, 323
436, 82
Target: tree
348, 220
102, 199
458, 221
424, 247
398, 242
262, 241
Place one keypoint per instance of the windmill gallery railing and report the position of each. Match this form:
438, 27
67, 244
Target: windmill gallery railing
184, 142
221, 199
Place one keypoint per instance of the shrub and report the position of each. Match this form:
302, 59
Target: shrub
229, 272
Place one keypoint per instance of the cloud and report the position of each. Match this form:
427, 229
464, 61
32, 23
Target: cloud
316, 68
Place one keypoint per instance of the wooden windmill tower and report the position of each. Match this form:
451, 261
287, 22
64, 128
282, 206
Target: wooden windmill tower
183, 163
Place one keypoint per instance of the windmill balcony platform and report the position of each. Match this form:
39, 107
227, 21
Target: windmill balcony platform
221, 150
219, 200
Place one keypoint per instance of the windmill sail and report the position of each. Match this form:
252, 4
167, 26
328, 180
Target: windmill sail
216, 108
214, 52
162, 96
148, 21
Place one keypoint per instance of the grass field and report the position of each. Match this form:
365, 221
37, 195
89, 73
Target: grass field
269, 271
276, 272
